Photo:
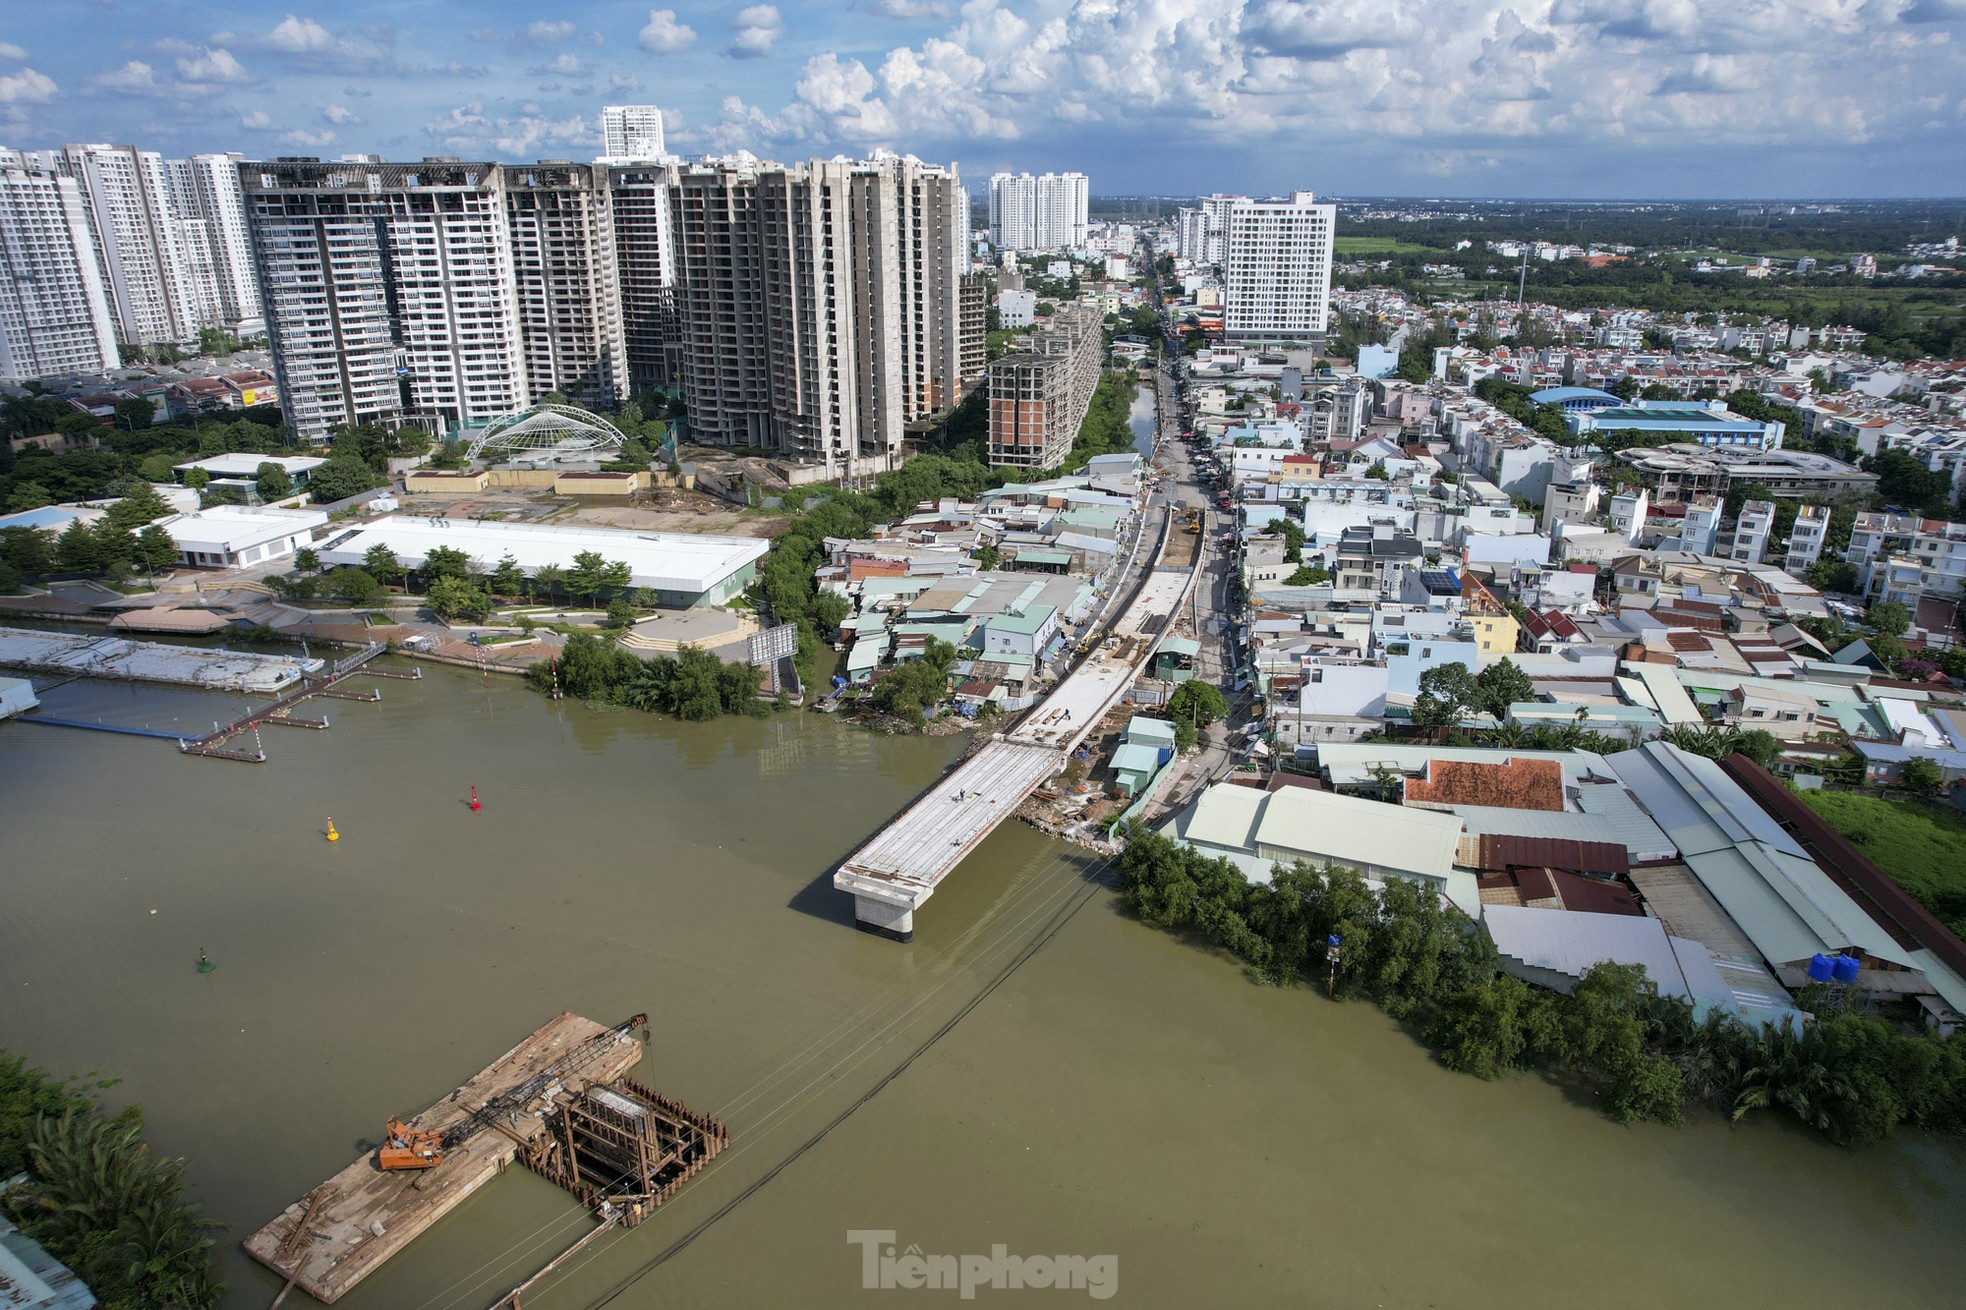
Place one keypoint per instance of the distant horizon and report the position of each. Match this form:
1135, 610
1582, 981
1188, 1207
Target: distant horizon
1563, 100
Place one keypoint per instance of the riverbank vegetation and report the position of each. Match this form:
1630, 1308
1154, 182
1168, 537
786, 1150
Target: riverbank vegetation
96, 1199
1644, 1056
1919, 847
693, 685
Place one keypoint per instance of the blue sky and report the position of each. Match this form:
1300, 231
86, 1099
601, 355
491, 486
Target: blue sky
1584, 98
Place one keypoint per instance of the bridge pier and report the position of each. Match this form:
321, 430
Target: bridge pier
884, 918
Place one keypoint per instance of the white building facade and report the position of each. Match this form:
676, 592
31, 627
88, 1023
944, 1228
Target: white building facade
54, 311
630, 134
1046, 212
1277, 269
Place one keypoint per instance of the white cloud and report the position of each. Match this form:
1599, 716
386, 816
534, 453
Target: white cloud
624, 82
467, 129
8, 50
258, 120
309, 43
756, 30
299, 36
664, 35
548, 33
212, 66
302, 137
27, 87
135, 76
341, 114
1463, 87
565, 64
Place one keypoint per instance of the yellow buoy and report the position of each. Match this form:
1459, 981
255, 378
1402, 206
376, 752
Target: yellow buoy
332, 834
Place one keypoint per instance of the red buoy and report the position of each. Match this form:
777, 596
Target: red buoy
476, 804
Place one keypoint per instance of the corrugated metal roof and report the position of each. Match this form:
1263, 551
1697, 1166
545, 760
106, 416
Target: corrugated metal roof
1609, 815
1505, 851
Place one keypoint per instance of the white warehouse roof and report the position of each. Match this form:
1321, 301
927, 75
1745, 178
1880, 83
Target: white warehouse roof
664, 561
240, 465
227, 529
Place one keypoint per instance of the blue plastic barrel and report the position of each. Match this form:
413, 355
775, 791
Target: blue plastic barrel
1821, 968
1846, 967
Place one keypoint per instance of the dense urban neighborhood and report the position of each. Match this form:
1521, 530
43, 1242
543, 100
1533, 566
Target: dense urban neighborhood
1545, 623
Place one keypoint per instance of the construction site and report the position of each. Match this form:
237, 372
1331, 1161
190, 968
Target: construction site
558, 1103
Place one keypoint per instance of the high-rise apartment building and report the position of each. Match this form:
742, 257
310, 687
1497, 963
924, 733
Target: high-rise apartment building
1039, 396
209, 192
54, 311
1277, 269
973, 334
561, 221
645, 266
138, 243
389, 291
1201, 232
631, 134
818, 305
1047, 212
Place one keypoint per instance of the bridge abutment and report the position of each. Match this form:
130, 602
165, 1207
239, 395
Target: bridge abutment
884, 918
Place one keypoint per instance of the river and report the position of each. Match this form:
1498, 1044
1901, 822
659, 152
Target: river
1118, 1092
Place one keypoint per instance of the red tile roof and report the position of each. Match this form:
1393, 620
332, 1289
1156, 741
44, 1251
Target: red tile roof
1514, 784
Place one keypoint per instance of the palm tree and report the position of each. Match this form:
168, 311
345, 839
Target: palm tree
546, 579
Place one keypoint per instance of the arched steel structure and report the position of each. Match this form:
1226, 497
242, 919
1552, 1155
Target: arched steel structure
547, 432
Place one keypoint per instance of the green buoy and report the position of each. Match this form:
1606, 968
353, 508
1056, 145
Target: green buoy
204, 963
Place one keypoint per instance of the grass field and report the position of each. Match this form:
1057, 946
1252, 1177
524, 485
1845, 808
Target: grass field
1922, 849
1377, 246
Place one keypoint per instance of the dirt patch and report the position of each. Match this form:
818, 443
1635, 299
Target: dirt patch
673, 510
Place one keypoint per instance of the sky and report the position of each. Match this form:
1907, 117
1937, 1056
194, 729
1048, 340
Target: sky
1588, 99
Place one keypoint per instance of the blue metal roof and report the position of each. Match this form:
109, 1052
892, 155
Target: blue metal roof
1559, 395
48, 516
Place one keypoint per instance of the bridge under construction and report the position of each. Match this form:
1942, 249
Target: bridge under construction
907, 860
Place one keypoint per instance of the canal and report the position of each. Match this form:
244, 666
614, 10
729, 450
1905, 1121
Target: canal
1070, 1082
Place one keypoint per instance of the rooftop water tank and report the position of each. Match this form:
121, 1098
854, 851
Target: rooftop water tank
1845, 968
1821, 968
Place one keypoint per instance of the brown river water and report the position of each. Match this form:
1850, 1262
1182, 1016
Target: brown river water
1070, 1082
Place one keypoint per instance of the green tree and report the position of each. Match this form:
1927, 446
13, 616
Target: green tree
444, 562
449, 596
134, 413
357, 586
273, 482
139, 505
696, 692
197, 479
828, 612
307, 559
547, 580
1921, 775
587, 574
1834, 575
620, 613
617, 577
1447, 693
1889, 617
381, 564
155, 549
78, 550
344, 475
26, 496
1193, 706
1501, 685
507, 578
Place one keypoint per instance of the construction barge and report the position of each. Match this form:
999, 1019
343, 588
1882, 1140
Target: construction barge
558, 1103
